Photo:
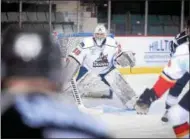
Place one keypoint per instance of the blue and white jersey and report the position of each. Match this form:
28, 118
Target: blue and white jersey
97, 59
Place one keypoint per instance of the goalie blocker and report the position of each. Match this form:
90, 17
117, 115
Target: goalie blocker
126, 58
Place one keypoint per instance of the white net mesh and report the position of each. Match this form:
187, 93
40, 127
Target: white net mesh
68, 42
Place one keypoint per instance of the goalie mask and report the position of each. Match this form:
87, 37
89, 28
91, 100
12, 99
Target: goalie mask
100, 34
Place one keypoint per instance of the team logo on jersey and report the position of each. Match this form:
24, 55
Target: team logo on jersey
101, 61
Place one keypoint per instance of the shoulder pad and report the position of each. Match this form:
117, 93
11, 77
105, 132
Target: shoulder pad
182, 49
87, 43
181, 38
111, 42
179, 35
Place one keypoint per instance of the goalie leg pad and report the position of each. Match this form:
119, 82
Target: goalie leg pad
120, 86
81, 73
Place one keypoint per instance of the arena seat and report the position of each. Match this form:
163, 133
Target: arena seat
27, 26
4, 17
46, 26
41, 17
171, 30
52, 16
59, 17
153, 20
155, 30
135, 18
165, 19
120, 29
176, 20
118, 18
32, 16
38, 26
137, 29
13, 16
24, 17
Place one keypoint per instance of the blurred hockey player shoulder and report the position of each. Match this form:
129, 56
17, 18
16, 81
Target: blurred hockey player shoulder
181, 38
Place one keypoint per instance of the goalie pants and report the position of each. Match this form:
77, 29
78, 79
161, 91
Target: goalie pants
83, 71
175, 91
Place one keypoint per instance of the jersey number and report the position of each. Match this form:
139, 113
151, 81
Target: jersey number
76, 51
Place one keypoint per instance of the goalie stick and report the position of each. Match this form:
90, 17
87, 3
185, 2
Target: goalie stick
79, 102
76, 94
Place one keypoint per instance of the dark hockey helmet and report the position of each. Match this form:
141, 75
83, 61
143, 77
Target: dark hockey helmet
30, 53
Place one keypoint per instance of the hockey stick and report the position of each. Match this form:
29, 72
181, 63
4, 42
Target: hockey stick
76, 94
78, 99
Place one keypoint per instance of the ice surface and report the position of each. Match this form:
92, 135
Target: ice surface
123, 123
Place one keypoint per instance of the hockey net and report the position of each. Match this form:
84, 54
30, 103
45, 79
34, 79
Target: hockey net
68, 42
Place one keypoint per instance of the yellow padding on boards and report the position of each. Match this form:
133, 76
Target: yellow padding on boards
140, 70
137, 70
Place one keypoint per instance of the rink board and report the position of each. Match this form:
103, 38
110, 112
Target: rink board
140, 70
152, 53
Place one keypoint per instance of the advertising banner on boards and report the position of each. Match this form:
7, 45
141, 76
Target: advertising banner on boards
149, 51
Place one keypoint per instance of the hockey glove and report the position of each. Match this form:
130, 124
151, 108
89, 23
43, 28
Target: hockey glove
126, 58
145, 100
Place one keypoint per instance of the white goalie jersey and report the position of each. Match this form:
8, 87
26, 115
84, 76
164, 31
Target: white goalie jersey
96, 59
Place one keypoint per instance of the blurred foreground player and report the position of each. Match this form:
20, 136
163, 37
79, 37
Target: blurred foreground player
176, 90
32, 75
178, 115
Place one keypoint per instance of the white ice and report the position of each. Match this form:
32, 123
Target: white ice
141, 126
130, 125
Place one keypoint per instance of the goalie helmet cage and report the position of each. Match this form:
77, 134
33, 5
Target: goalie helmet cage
67, 42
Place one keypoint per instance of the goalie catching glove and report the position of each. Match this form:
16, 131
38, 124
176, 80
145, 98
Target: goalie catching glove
145, 100
126, 58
